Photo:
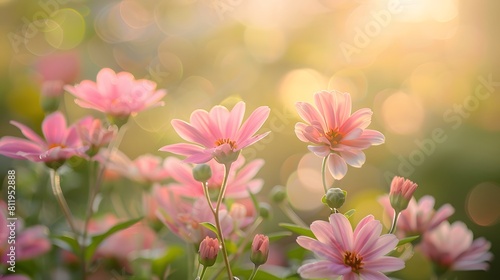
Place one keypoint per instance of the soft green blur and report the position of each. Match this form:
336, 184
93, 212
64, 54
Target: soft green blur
428, 69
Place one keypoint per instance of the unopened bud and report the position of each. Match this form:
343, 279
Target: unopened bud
202, 172
278, 193
260, 249
264, 210
334, 198
209, 248
401, 192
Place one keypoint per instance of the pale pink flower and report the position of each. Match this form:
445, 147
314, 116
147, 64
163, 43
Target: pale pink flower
63, 67
183, 217
218, 134
452, 247
334, 132
401, 192
260, 249
209, 248
93, 134
353, 255
240, 181
146, 168
419, 217
60, 143
118, 95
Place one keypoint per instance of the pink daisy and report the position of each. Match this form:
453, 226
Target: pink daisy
240, 181
334, 132
218, 134
419, 217
118, 95
452, 247
60, 143
351, 255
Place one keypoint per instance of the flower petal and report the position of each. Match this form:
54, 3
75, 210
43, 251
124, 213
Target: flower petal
385, 264
189, 133
322, 269
321, 151
342, 231
54, 128
355, 158
235, 119
337, 166
252, 124
29, 133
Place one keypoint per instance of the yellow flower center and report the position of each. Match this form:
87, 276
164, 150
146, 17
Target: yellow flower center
353, 260
231, 143
56, 145
333, 136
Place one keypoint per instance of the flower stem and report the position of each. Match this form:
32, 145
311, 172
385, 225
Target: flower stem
285, 207
55, 181
203, 272
254, 272
323, 173
394, 222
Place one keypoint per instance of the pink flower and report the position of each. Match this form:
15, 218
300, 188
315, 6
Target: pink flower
183, 217
452, 248
352, 255
118, 95
60, 143
260, 249
401, 192
63, 67
240, 181
209, 248
94, 135
419, 217
218, 134
334, 132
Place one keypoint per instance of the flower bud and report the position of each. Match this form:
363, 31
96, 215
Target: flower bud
401, 192
209, 248
264, 210
260, 249
278, 194
202, 172
51, 93
334, 198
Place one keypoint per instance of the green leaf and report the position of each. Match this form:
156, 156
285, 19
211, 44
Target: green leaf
278, 235
261, 274
210, 226
298, 229
68, 243
254, 200
96, 240
160, 265
407, 240
349, 213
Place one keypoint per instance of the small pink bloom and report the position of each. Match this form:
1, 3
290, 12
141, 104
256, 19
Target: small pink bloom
52, 89
118, 95
144, 169
64, 67
60, 143
218, 134
352, 255
209, 248
334, 132
240, 181
453, 248
401, 192
93, 134
419, 217
260, 249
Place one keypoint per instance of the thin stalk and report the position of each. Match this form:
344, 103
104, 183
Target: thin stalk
254, 272
285, 207
323, 173
55, 181
203, 273
394, 222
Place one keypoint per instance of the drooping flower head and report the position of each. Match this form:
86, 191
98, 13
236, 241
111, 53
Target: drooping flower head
218, 134
240, 180
451, 247
401, 192
334, 132
118, 95
61, 142
352, 255
418, 218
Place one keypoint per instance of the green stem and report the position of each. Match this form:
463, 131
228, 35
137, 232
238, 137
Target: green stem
227, 168
203, 273
55, 181
285, 207
323, 173
254, 272
394, 222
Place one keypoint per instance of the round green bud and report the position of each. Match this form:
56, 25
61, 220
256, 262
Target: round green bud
264, 210
202, 172
334, 198
278, 193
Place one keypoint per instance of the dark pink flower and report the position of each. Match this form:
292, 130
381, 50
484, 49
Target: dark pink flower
351, 255
60, 143
334, 132
118, 95
401, 192
419, 217
218, 134
452, 247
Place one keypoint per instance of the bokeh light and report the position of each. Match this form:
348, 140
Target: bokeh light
482, 204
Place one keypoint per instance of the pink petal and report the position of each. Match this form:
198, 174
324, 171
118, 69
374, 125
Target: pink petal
321, 151
54, 128
29, 133
250, 141
342, 231
360, 119
443, 213
320, 249
106, 81
253, 124
355, 158
14, 147
337, 166
219, 116
200, 120
235, 119
372, 136
198, 158
384, 245
180, 172
372, 275
385, 264
367, 236
322, 269
366, 220
189, 133
309, 114
300, 131
324, 233
183, 149
327, 106
248, 171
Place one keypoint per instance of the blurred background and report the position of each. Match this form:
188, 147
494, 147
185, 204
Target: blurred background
428, 69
